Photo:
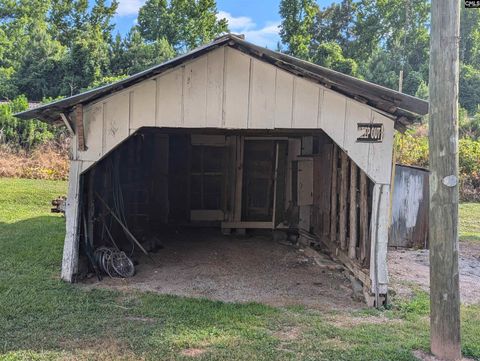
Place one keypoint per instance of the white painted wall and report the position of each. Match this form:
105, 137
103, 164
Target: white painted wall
229, 89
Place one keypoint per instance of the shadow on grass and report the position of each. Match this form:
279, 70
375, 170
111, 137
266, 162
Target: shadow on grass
39, 312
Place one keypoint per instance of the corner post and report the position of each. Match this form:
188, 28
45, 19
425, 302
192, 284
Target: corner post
379, 226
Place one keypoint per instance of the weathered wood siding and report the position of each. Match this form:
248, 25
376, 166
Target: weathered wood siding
229, 89
410, 208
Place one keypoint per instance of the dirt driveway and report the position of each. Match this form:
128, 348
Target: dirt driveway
203, 263
410, 268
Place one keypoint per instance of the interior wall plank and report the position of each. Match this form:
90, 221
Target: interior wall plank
215, 70
305, 104
237, 87
363, 237
169, 99
195, 93
283, 99
342, 223
262, 99
334, 196
352, 247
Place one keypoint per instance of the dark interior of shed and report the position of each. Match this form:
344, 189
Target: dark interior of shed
157, 182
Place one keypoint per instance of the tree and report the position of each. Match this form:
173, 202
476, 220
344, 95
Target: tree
133, 54
469, 87
184, 24
331, 56
470, 37
297, 27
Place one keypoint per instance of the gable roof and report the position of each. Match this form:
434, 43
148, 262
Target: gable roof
404, 109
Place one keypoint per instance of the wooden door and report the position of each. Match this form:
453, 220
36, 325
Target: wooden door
258, 180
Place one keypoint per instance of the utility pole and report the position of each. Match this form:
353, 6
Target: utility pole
443, 141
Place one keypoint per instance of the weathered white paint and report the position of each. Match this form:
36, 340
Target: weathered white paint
116, 120
169, 99
380, 223
70, 246
229, 89
143, 105
262, 99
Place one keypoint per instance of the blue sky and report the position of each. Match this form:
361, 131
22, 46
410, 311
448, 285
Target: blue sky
257, 19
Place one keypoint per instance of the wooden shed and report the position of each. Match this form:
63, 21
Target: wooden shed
236, 136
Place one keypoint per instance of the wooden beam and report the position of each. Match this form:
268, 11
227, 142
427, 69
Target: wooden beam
78, 119
248, 224
66, 121
342, 223
333, 211
443, 144
352, 244
363, 201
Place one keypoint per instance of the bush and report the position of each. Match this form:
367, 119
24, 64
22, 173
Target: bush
411, 148
24, 134
47, 161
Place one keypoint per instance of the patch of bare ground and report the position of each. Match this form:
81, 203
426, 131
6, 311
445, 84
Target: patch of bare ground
425, 356
193, 352
203, 263
288, 333
409, 269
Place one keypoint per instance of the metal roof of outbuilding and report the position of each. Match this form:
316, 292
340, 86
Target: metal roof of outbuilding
404, 109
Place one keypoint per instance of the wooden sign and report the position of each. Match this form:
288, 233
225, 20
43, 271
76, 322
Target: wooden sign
370, 132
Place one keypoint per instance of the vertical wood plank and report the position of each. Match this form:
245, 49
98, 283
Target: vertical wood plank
342, 223
333, 213
363, 216
352, 244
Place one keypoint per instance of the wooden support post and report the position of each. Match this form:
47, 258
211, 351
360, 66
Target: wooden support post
352, 242
333, 211
379, 239
363, 216
342, 223
443, 141
78, 118
72, 215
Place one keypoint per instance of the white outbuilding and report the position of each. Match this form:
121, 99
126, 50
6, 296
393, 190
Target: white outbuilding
238, 137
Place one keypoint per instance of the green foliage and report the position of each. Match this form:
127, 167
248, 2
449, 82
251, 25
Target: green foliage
183, 24
469, 87
296, 30
331, 56
411, 148
23, 133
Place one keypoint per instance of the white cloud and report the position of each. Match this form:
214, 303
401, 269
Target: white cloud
263, 36
266, 36
129, 7
236, 23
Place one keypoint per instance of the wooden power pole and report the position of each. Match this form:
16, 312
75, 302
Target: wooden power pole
443, 140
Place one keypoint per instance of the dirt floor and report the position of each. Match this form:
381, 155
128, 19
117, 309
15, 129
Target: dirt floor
409, 269
204, 263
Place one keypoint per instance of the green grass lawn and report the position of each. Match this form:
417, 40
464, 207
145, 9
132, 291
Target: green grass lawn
470, 221
42, 318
